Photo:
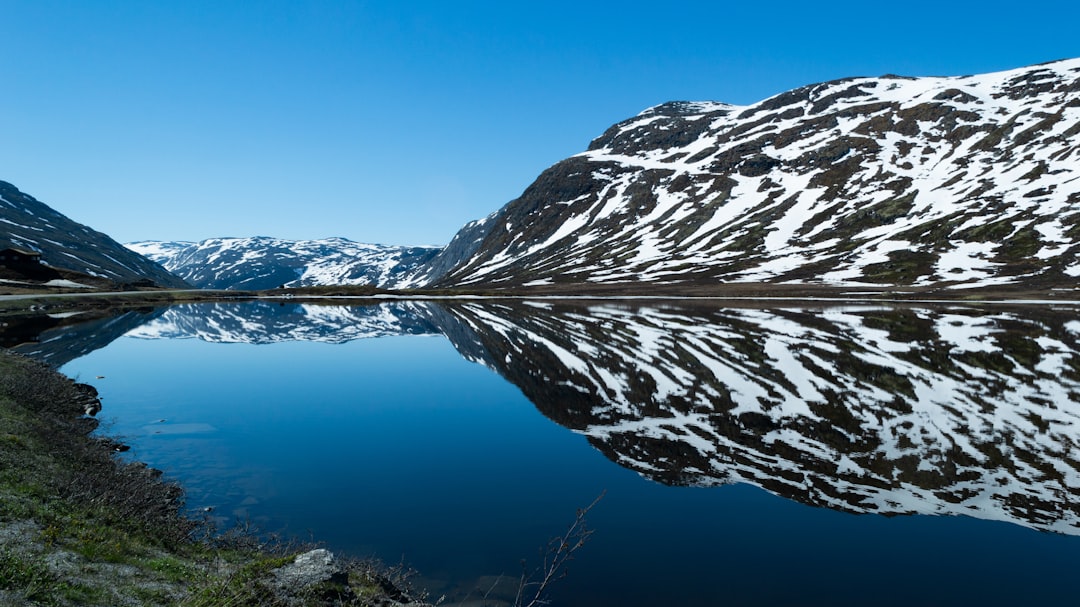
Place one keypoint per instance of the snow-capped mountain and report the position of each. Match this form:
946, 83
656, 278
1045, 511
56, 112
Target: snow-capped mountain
944, 411
28, 224
267, 263
944, 181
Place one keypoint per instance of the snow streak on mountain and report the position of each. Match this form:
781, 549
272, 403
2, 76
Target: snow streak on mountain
267, 263
937, 182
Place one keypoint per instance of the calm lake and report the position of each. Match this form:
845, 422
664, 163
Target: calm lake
794, 454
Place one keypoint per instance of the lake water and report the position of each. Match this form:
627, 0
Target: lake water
802, 455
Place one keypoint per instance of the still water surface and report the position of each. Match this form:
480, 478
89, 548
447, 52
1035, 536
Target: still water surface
797, 456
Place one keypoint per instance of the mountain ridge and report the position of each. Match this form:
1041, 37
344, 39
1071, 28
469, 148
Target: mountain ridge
948, 182
30, 224
263, 262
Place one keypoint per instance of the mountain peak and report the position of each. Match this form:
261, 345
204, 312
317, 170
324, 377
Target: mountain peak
264, 262
931, 182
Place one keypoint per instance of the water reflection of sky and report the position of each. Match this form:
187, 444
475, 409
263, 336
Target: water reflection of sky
399, 447
395, 446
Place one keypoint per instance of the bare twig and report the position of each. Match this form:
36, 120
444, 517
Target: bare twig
534, 586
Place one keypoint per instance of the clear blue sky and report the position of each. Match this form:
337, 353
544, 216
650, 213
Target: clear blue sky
396, 122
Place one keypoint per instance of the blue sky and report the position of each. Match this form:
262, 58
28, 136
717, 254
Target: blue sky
397, 122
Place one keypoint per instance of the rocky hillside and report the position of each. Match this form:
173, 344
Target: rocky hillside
267, 263
32, 225
936, 182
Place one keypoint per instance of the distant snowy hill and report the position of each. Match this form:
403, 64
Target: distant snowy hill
26, 223
939, 182
266, 263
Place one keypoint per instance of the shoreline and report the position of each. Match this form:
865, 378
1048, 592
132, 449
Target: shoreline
79, 526
734, 292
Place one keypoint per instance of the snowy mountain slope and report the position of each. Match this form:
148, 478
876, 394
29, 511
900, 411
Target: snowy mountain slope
964, 181
267, 263
26, 223
464, 244
862, 409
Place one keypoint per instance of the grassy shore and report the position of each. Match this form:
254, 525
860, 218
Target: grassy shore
80, 526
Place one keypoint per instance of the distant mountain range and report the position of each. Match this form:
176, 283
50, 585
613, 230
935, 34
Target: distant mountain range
935, 182
26, 223
268, 263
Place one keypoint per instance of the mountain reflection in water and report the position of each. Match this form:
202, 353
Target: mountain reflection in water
861, 409
967, 410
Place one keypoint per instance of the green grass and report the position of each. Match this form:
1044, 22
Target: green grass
29, 575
